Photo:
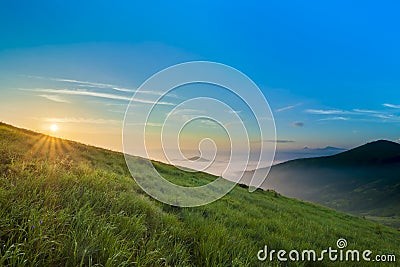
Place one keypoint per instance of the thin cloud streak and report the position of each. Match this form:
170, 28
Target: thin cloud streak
279, 141
100, 85
335, 119
186, 111
94, 94
366, 111
391, 106
237, 112
55, 98
288, 107
86, 83
328, 111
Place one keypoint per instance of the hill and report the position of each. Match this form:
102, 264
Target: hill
67, 204
363, 181
327, 148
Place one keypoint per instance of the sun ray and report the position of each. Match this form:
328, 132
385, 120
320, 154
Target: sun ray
37, 147
59, 151
66, 147
52, 148
45, 147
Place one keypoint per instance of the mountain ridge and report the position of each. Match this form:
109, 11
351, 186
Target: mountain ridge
364, 180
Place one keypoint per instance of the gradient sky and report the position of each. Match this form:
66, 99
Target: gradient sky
329, 70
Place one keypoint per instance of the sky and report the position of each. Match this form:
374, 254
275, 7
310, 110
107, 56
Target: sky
329, 70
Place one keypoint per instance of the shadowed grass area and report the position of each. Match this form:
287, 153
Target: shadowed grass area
66, 204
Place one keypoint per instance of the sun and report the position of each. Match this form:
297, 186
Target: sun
54, 128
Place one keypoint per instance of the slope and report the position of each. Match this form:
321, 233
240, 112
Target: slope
65, 203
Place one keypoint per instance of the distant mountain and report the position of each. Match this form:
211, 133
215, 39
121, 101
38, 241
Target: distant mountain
363, 181
306, 152
328, 148
200, 159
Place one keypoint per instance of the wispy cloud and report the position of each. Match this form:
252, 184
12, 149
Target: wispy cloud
186, 111
93, 94
280, 141
86, 83
335, 119
358, 114
391, 105
387, 117
55, 98
81, 120
366, 111
297, 124
237, 112
209, 123
77, 92
327, 111
288, 107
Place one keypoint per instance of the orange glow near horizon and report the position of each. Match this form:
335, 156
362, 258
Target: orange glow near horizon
54, 128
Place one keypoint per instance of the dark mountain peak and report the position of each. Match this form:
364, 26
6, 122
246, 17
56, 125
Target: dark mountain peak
370, 154
383, 142
381, 151
379, 147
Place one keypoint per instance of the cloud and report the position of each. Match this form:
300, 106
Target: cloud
391, 106
280, 141
186, 111
288, 107
156, 93
365, 111
335, 119
55, 98
208, 122
94, 94
81, 120
297, 124
360, 114
327, 111
101, 85
86, 83
387, 116
234, 112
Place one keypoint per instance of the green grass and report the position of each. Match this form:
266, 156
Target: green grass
66, 204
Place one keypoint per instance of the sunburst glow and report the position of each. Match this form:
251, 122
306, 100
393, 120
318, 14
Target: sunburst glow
54, 128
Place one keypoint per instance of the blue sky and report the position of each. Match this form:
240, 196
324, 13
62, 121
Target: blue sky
330, 70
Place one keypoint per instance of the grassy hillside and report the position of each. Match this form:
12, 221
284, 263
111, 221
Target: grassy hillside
66, 204
364, 181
